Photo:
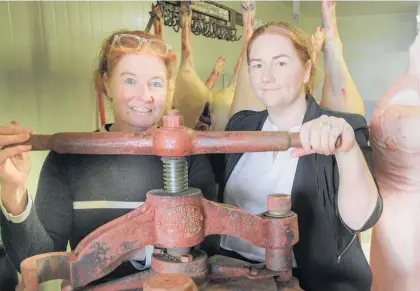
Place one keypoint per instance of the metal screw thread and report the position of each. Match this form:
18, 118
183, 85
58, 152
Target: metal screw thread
175, 174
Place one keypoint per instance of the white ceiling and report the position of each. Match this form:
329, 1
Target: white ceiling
348, 8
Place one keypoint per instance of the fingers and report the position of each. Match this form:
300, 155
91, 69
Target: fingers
13, 128
347, 138
325, 137
336, 131
305, 135
305, 140
13, 139
13, 134
13, 151
320, 136
319, 132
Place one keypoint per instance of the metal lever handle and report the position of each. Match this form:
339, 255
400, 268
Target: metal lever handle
201, 142
172, 140
177, 142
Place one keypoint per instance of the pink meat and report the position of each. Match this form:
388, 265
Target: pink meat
339, 91
395, 138
158, 29
244, 98
222, 99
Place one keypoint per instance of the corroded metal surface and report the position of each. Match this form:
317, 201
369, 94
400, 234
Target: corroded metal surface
132, 282
172, 140
176, 222
169, 220
170, 282
194, 265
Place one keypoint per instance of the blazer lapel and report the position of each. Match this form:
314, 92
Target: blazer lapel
306, 162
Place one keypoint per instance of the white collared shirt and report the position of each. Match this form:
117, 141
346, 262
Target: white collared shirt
255, 176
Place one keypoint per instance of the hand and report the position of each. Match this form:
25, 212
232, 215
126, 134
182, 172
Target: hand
14, 161
320, 136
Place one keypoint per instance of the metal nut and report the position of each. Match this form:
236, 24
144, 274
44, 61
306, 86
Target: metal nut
186, 258
173, 119
279, 204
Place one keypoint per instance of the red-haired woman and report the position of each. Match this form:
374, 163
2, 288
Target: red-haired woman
332, 189
78, 193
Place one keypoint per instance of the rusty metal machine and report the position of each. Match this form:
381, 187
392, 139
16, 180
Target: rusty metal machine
175, 220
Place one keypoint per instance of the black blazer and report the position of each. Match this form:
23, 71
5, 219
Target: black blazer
329, 254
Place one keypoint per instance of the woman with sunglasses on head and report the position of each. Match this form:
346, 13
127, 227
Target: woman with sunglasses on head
331, 185
78, 193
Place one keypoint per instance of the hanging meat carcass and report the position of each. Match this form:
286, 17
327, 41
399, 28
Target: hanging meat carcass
339, 91
244, 97
395, 138
205, 121
157, 20
317, 40
158, 29
222, 99
191, 93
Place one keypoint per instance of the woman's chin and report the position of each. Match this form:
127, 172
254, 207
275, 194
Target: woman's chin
144, 124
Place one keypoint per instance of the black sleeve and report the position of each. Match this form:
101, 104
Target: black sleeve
361, 132
48, 226
201, 176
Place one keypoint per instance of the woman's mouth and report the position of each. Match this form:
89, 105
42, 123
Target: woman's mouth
139, 109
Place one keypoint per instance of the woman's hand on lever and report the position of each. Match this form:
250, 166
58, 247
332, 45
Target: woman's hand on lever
322, 135
14, 167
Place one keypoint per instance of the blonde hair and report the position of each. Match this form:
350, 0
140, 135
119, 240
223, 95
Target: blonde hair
300, 40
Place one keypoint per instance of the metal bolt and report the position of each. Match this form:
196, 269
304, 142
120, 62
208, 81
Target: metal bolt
173, 119
186, 258
279, 205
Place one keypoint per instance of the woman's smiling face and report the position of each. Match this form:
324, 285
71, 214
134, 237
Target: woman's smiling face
138, 89
277, 74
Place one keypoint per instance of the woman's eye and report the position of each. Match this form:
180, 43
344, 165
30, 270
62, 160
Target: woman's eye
156, 84
281, 64
257, 66
130, 81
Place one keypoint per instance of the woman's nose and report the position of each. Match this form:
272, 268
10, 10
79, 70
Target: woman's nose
143, 94
267, 76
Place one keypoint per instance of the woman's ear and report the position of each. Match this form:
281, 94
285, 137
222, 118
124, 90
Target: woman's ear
308, 68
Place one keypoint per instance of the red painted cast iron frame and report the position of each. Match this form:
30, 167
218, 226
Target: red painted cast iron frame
171, 220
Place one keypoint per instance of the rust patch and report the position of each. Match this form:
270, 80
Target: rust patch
186, 220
